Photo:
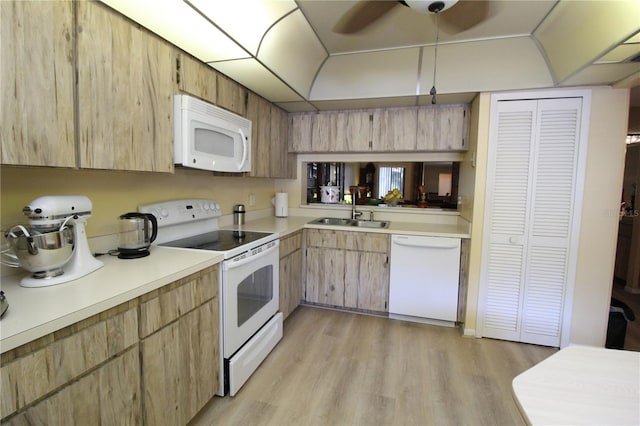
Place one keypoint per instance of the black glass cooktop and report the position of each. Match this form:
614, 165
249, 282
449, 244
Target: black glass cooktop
221, 240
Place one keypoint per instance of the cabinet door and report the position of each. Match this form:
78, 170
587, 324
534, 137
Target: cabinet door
325, 130
231, 95
357, 132
109, 395
300, 132
37, 68
366, 282
259, 112
394, 129
279, 159
126, 81
325, 276
196, 78
290, 282
443, 128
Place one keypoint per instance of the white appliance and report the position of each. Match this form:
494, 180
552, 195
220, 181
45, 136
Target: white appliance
208, 137
250, 324
281, 204
57, 227
425, 275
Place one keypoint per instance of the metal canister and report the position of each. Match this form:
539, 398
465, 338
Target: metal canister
238, 220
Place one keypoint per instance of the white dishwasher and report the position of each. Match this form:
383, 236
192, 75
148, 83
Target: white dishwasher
425, 273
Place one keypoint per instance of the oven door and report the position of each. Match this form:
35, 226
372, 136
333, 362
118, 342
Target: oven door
250, 295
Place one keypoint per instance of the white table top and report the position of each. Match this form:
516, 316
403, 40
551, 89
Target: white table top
581, 385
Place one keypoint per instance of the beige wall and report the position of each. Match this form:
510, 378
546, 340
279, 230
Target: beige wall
113, 193
599, 220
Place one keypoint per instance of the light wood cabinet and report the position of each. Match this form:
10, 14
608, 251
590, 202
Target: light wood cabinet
394, 129
196, 78
290, 273
340, 131
347, 269
126, 81
443, 128
87, 373
231, 95
179, 348
37, 62
300, 131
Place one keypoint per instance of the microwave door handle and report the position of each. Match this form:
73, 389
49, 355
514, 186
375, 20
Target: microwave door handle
244, 148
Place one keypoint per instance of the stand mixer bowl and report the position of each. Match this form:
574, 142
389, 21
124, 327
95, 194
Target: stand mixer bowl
43, 254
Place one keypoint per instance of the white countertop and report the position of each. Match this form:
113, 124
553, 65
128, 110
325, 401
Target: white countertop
286, 225
581, 385
36, 312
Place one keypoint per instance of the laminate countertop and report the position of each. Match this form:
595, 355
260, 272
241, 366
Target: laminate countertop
581, 385
287, 225
36, 312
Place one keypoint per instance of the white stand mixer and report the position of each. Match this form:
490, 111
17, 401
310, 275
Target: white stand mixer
51, 214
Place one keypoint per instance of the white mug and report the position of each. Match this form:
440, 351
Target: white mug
281, 204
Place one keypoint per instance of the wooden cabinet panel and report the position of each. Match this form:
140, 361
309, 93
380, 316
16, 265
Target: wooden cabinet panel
364, 241
196, 78
126, 81
108, 396
160, 307
180, 357
322, 238
37, 68
279, 159
443, 128
290, 282
357, 132
259, 112
290, 243
394, 129
343, 131
325, 276
79, 349
231, 95
300, 132
366, 283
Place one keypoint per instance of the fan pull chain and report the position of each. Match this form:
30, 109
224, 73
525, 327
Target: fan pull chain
433, 91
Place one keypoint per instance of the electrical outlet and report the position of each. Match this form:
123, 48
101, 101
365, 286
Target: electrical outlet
252, 200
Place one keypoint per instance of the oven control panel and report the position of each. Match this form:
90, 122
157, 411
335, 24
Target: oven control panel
176, 212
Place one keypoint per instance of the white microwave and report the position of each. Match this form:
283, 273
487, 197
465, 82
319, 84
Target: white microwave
207, 137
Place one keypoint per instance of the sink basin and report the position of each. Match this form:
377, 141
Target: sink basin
334, 221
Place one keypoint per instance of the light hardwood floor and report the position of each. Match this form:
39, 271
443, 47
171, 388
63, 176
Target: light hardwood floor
337, 368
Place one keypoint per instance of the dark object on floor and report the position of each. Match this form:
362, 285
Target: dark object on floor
619, 315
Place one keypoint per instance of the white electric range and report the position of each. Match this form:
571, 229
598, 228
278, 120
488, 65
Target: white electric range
250, 324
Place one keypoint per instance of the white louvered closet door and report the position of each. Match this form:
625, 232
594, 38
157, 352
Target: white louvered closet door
528, 219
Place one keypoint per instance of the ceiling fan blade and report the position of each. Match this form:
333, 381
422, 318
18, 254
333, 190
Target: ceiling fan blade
363, 14
465, 15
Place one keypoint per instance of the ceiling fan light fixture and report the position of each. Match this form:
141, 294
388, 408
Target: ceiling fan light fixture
430, 6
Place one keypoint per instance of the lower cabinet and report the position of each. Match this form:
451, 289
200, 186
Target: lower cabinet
180, 356
290, 273
347, 269
152, 360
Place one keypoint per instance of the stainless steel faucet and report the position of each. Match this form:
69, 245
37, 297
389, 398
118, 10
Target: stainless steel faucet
354, 213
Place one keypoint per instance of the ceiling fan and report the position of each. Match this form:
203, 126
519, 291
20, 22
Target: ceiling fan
465, 15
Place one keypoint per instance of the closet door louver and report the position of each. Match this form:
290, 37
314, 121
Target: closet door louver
528, 219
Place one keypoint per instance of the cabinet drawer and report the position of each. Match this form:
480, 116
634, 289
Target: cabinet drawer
163, 306
364, 241
290, 243
71, 352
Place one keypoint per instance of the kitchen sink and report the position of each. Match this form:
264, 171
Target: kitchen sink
334, 221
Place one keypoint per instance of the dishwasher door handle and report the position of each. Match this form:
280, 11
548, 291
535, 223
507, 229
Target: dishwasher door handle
413, 243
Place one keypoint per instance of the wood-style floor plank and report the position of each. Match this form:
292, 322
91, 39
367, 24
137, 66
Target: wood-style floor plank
338, 368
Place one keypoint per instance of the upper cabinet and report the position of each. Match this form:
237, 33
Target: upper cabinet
269, 153
126, 83
394, 129
434, 128
37, 65
443, 128
231, 95
196, 78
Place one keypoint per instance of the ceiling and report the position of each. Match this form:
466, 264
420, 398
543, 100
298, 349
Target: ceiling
288, 52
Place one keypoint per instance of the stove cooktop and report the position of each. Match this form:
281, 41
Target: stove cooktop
220, 240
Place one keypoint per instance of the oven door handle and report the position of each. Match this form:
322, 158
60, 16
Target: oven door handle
231, 264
